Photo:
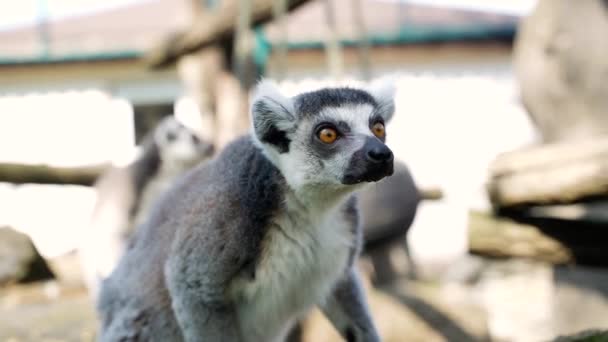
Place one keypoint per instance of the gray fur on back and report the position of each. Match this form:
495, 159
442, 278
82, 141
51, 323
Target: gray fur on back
251, 188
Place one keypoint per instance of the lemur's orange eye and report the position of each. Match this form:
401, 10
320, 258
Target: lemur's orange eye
378, 130
328, 135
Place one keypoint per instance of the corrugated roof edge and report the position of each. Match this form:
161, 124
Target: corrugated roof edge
421, 35
408, 35
70, 58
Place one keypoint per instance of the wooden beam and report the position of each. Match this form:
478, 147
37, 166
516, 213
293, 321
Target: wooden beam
547, 155
211, 28
280, 16
333, 47
553, 173
430, 193
505, 238
44, 174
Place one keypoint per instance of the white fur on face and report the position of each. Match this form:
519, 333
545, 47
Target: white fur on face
356, 116
303, 168
178, 146
301, 164
383, 90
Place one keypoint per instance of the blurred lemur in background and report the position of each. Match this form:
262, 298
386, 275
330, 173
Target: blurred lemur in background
388, 209
243, 246
125, 195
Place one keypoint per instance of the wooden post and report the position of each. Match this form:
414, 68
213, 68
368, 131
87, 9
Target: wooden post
211, 28
335, 63
232, 109
199, 74
364, 46
280, 13
243, 41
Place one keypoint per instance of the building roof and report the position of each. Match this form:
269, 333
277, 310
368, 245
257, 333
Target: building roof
116, 33
392, 22
128, 31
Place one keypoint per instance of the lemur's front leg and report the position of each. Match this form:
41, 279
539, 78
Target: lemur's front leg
197, 285
348, 311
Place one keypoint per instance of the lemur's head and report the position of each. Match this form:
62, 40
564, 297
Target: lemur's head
332, 137
179, 145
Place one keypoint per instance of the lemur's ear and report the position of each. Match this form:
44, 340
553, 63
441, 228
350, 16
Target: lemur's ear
383, 90
272, 116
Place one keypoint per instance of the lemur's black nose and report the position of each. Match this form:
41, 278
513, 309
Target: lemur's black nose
379, 153
371, 163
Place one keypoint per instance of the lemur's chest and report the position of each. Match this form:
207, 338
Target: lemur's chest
300, 262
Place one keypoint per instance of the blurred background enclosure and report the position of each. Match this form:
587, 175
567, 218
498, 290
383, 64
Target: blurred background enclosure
501, 120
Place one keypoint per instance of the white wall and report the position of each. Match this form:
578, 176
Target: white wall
64, 128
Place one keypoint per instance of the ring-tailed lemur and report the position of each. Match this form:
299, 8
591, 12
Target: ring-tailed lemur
244, 245
126, 194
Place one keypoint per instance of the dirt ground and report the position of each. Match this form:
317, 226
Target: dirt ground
512, 300
45, 312
407, 311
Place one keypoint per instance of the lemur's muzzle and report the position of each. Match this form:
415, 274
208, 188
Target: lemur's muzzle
371, 163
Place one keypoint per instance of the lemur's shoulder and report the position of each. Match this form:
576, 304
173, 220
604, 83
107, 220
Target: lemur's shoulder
239, 178
233, 196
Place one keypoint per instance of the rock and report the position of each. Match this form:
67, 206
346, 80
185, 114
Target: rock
561, 65
20, 262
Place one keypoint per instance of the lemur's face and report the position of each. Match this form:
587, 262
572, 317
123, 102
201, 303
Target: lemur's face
178, 144
329, 137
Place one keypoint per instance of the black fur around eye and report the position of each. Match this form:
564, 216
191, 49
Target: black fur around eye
324, 125
375, 120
